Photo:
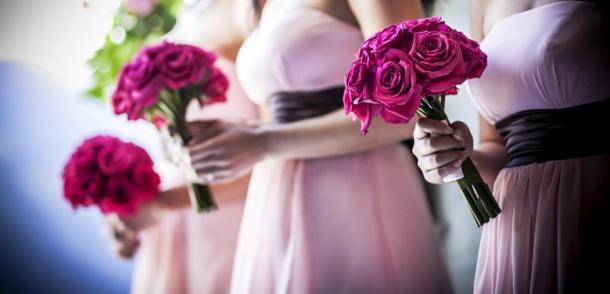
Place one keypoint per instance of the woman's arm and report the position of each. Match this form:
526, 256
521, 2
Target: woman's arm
329, 135
490, 156
178, 197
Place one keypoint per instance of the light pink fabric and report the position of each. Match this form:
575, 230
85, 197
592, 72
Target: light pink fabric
546, 57
190, 252
356, 223
550, 233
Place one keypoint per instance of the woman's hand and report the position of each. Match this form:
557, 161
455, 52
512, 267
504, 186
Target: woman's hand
123, 231
441, 149
221, 152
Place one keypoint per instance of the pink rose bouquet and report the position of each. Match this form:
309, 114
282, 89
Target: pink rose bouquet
116, 176
409, 68
160, 82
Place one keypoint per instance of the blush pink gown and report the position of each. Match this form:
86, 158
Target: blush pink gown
356, 223
545, 58
189, 252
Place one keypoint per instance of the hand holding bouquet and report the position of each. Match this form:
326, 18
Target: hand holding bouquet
160, 82
409, 68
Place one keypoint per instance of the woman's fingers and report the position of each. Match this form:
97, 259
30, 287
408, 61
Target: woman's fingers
426, 127
204, 130
431, 145
445, 174
207, 145
441, 149
205, 155
214, 175
127, 249
462, 134
124, 241
206, 167
437, 160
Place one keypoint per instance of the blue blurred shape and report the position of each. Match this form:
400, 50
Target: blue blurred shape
46, 247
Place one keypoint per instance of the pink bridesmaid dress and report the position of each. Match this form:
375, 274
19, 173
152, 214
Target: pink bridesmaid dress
189, 252
356, 223
549, 236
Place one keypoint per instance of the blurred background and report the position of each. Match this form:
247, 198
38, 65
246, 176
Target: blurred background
58, 60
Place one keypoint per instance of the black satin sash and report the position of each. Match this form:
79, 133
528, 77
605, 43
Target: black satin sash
540, 135
294, 106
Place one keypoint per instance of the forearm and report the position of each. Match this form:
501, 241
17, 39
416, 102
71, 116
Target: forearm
178, 198
489, 158
329, 135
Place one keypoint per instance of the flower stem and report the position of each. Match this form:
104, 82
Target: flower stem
172, 102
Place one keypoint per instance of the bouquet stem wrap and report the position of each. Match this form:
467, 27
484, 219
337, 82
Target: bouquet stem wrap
477, 194
172, 104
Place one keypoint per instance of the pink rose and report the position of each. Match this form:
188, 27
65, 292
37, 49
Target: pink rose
365, 112
434, 23
119, 197
396, 81
475, 61
392, 36
438, 60
142, 80
140, 154
182, 65
115, 159
357, 79
146, 180
216, 86
140, 8
73, 191
84, 159
356, 91
123, 103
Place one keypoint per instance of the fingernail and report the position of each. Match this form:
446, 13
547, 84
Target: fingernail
458, 174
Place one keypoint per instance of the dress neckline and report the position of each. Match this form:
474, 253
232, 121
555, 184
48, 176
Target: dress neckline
328, 16
319, 12
533, 10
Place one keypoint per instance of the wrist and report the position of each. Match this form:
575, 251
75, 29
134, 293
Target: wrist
266, 136
158, 206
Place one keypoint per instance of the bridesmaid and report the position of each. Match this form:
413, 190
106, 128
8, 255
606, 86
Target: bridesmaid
181, 251
544, 101
328, 210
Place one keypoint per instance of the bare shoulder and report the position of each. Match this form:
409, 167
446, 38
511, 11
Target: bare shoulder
373, 16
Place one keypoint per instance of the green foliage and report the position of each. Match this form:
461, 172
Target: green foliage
129, 33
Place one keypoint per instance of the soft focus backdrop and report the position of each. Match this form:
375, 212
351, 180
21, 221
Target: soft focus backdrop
47, 247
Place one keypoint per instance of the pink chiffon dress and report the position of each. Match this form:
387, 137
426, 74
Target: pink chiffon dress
549, 236
190, 252
355, 223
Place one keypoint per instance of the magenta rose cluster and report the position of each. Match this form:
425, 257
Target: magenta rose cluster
400, 64
114, 175
166, 66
